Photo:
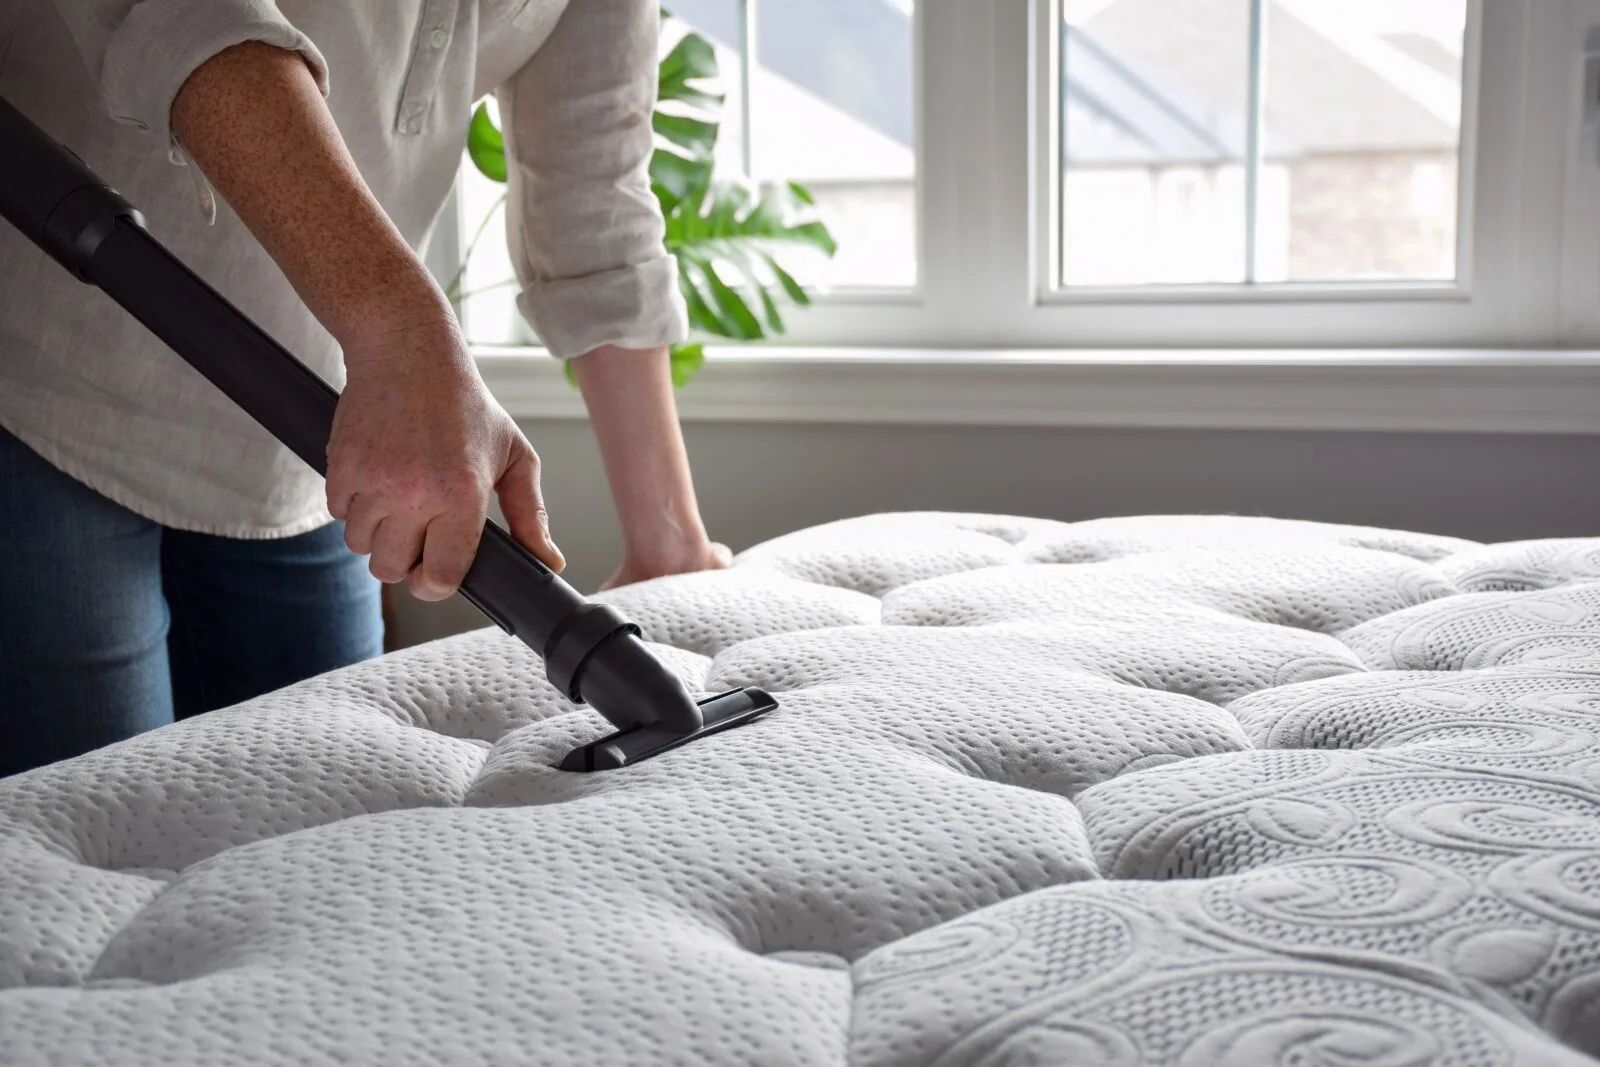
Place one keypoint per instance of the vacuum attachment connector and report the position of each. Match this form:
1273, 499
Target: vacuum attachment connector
627, 747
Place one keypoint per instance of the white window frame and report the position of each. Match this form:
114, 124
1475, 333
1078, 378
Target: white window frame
1501, 348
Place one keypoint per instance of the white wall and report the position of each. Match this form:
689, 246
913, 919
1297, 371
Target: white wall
757, 481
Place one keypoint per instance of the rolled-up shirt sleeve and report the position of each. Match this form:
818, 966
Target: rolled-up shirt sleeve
584, 229
140, 53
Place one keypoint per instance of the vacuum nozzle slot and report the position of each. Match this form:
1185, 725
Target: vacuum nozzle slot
627, 747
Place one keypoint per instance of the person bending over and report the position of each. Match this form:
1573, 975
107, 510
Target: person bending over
162, 555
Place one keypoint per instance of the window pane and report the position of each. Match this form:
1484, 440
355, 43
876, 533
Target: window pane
489, 312
1154, 119
832, 108
1363, 117
1360, 140
718, 21
488, 308
831, 100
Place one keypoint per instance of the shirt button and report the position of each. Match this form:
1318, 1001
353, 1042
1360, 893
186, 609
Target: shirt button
438, 38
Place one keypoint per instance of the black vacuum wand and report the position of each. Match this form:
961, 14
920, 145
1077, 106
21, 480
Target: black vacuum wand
592, 654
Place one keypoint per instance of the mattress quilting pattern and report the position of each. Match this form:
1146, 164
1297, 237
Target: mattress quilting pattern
1203, 791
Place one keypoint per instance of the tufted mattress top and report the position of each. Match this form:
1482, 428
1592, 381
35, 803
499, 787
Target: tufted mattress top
1192, 791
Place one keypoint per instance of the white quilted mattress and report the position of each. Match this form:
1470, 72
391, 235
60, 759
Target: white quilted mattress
1191, 791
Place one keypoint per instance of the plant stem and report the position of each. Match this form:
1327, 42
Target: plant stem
453, 290
487, 288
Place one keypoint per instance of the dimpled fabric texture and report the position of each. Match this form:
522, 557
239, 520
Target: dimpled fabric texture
1203, 791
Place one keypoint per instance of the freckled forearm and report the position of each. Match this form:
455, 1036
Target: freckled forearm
255, 123
632, 408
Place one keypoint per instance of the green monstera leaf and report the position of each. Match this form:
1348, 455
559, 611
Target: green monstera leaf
485, 146
727, 228
731, 241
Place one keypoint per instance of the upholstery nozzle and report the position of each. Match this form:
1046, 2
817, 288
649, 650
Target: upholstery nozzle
627, 747
653, 710
624, 681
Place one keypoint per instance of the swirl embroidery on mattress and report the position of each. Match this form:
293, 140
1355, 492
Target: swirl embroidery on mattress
1583, 705
1297, 821
1432, 698
1368, 891
1491, 741
1493, 824
1480, 630
1555, 651
1315, 1039
1563, 887
1064, 1039
1500, 957
957, 947
1525, 565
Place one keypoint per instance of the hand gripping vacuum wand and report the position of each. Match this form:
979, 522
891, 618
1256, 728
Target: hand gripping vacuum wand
592, 654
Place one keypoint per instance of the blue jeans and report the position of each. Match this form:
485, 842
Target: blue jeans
111, 624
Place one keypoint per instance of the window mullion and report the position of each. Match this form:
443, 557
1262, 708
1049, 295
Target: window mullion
749, 56
977, 154
1254, 136
952, 128
1579, 261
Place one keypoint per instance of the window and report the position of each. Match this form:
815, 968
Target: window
1259, 141
1200, 174
819, 92
830, 97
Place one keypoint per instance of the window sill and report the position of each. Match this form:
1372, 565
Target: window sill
1417, 390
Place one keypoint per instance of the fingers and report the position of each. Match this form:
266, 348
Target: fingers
339, 484
339, 496
432, 556
451, 545
524, 510
396, 548
361, 517
431, 552
412, 472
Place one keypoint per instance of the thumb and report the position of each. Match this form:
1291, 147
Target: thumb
518, 490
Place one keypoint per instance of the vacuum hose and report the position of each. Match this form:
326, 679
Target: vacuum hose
591, 652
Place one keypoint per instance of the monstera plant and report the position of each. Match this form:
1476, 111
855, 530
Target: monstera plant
728, 237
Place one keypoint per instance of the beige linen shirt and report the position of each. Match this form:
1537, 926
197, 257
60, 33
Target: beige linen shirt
88, 388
